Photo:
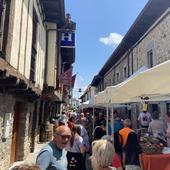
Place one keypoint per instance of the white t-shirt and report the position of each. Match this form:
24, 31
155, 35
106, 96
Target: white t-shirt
77, 144
144, 118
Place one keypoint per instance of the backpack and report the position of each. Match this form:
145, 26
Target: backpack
118, 143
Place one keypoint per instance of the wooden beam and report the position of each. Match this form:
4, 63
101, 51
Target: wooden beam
2, 73
9, 81
27, 97
10, 71
19, 87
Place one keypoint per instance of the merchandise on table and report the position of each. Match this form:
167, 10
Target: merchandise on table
151, 145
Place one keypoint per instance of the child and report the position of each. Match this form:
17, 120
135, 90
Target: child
132, 153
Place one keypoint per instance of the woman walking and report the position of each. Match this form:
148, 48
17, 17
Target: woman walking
132, 153
75, 150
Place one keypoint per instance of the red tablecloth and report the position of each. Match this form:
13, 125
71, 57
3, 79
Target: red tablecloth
156, 162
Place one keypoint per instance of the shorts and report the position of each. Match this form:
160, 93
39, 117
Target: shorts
132, 167
146, 127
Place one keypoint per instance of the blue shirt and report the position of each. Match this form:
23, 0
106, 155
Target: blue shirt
52, 158
117, 125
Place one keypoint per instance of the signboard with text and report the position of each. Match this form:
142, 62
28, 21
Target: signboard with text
67, 39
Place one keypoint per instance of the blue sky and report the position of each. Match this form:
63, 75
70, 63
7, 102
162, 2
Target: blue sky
101, 24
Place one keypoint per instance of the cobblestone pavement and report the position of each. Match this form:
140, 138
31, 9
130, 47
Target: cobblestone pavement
31, 157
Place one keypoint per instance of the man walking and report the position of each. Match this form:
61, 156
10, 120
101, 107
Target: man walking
53, 155
144, 119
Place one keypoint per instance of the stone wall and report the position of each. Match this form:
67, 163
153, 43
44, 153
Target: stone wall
157, 39
23, 145
6, 106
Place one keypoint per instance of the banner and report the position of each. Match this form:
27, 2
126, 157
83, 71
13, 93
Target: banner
73, 80
66, 77
67, 39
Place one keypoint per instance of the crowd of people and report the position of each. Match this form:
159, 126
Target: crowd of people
77, 146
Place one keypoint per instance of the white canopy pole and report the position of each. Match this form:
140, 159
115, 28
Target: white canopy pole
112, 120
93, 118
107, 119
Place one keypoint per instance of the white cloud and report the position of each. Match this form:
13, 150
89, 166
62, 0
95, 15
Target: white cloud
112, 40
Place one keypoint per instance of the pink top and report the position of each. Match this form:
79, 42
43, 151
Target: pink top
116, 161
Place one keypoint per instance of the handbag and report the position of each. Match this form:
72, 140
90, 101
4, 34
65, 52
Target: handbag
75, 161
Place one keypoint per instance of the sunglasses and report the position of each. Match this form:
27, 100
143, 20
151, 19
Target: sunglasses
64, 136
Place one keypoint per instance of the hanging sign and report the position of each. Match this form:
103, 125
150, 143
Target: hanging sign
67, 39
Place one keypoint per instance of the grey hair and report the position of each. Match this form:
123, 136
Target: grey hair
108, 138
127, 122
102, 153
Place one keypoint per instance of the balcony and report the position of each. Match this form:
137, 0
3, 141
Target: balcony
54, 10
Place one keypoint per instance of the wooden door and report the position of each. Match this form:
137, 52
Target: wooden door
15, 134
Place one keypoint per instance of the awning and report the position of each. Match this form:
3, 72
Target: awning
86, 104
149, 83
152, 84
108, 95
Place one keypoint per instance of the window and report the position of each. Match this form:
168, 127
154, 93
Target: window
105, 84
117, 77
1, 14
168, 109
33, 61
35, 29
150, 58
110, 82
3, 17
125, 72
34, 47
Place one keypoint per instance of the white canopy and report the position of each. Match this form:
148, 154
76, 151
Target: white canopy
100, 99
151, 83
86, 104
115, 96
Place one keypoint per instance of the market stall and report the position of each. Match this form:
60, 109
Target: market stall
156, 161
86, 104
148, 83
155, 156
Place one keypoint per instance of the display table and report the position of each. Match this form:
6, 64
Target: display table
156, 161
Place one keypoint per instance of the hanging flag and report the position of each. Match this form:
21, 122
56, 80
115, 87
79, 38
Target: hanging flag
73, 80
66, 77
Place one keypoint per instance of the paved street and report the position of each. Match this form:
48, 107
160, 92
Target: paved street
31, 157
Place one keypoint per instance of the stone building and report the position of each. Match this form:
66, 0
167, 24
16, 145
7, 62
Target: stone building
30, 65
145, 44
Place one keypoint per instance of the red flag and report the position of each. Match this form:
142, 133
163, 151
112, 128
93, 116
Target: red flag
73, 80
66, 77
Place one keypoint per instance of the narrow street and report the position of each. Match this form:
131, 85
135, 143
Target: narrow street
84, 85
31, 158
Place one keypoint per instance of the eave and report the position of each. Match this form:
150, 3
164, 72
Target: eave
54, 11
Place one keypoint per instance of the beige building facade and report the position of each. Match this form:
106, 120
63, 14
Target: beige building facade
28, 60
